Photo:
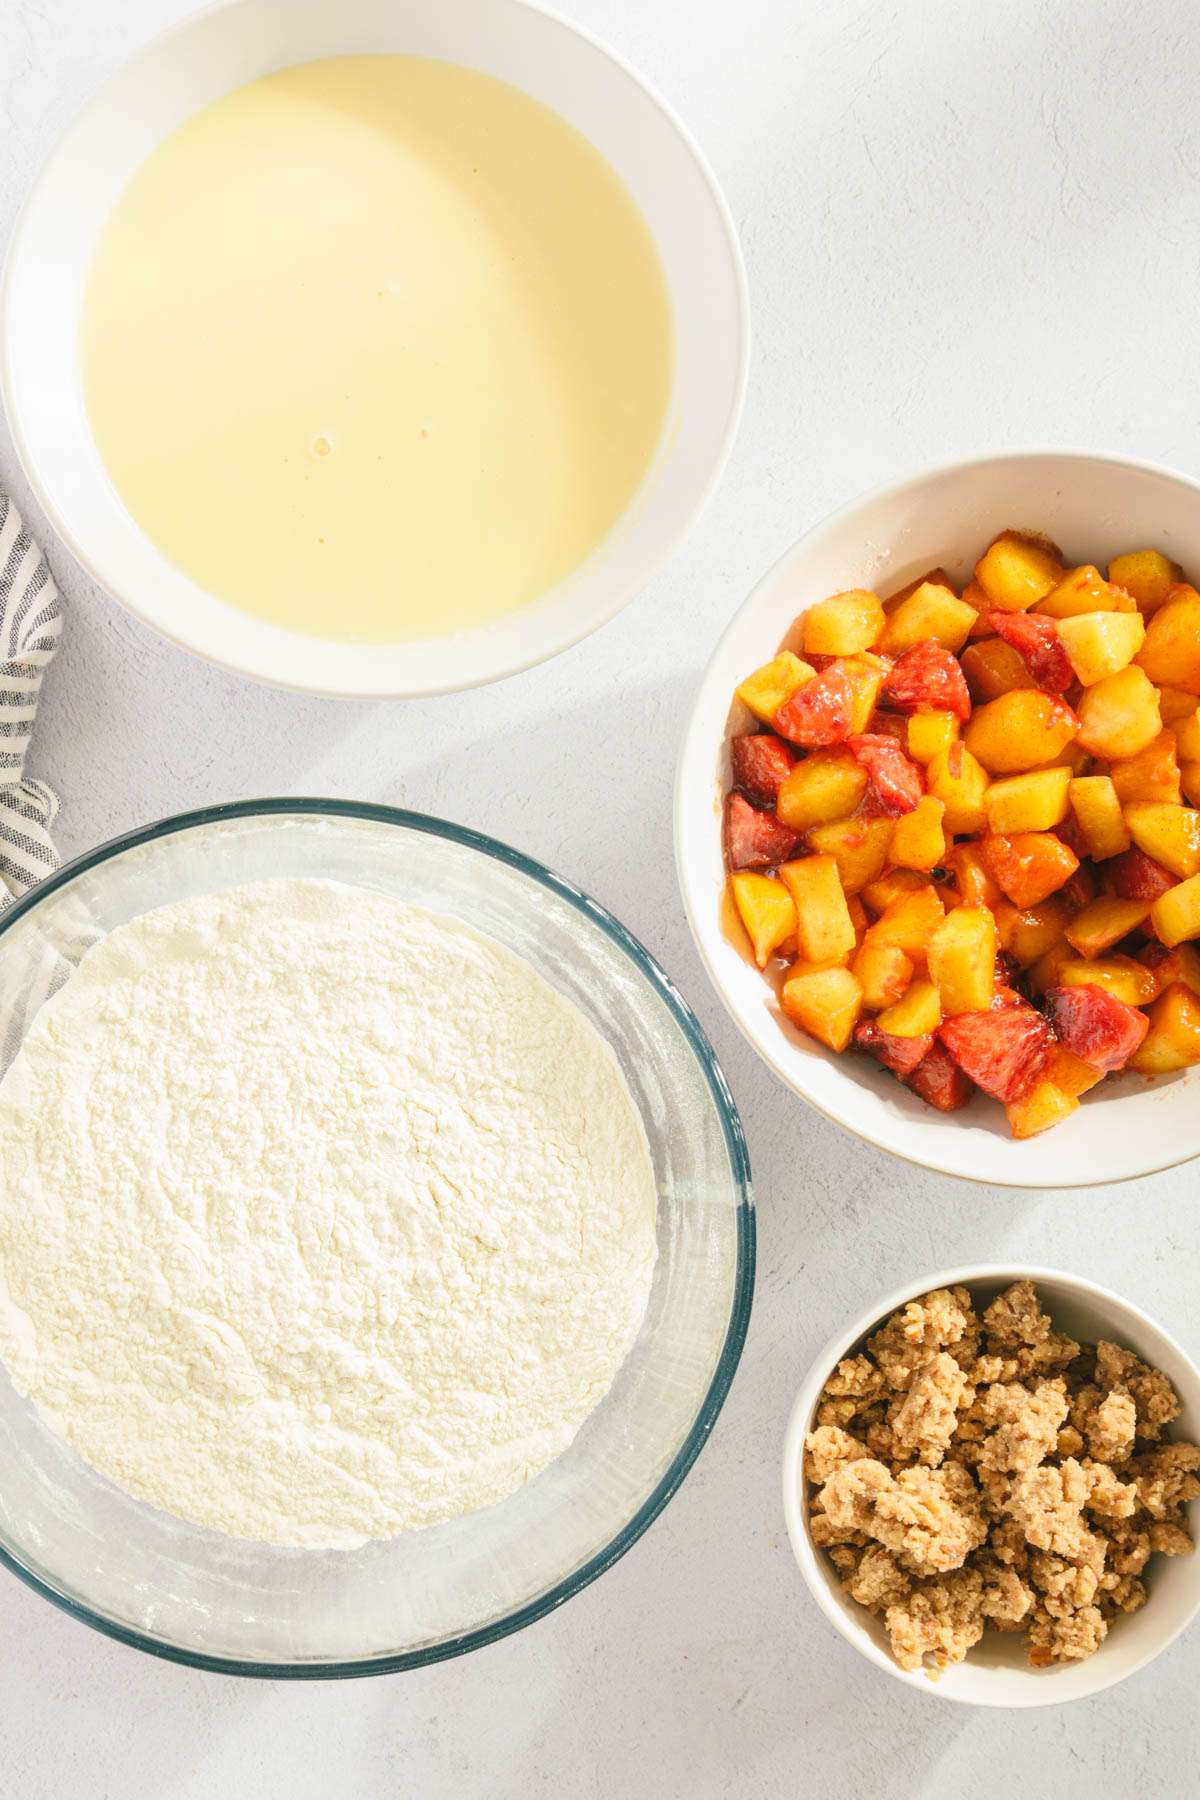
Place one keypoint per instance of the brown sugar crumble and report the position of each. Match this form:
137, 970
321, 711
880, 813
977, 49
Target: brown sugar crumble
973, 1471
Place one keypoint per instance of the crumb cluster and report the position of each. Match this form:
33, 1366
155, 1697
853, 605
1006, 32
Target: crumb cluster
983, 1470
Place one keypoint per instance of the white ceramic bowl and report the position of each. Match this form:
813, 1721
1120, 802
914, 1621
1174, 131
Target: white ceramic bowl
996, 1672
1094, 506
230, 44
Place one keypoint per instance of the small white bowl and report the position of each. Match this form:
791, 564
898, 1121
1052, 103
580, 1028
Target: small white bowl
996, 1672
230, 44
1095, 507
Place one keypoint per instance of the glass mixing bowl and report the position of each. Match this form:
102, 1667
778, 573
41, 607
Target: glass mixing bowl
216, 1602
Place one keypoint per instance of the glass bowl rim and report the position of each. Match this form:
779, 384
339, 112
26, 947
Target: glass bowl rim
743, 1285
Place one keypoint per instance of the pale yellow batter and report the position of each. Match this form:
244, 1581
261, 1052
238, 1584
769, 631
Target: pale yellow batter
376, 348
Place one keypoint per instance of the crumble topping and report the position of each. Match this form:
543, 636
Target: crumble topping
982, 1471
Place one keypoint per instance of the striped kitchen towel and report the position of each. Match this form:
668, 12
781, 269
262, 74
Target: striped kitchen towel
30, 623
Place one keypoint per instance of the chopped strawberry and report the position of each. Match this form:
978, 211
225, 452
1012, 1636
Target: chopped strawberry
895, 782
820, 712
1037, 643
1094, 1025
928, 678
1001, 1050
760, 762
939, 1081
1135, 876
899, 1054
754, 839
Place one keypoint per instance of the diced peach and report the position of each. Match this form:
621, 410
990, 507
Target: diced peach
975, 885
957, 779
1171, 652
883, 972
825, 785
1084, 590
1147, 575
1175, 704
766, 910
929, 612
1189, 782
1043, 1105
1045, 971
910, 921
1026, 936
1029, 865
962, 960
1180, 964
1016, 571
992, 668
1175, 915
858, 915
824, 928
919, 839
1100, 643
1069, 1072
865, 673
1104, 923
1173, 1040
768, 688
826, 1003
1153, 774
915, 1014
936, 577
859, 847
1119, 716
1098, 815
1020, 731
1187, 736
879, 895
1120, 976
843, 624
933, 731
1034, 801
1169, 834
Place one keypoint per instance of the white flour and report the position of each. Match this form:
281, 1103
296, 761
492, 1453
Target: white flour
321, 1217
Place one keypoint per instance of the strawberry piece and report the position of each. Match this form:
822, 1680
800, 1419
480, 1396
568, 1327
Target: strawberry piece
820, 712
928, 678
939, 1081
899, 1054
1037, 643
1135, 876
1094, 1025
896, 782
1002, 1050
754, 839
760, 762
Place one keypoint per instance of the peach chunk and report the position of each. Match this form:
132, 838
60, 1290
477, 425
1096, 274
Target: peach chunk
1104, 923
1175, 915
1101, 643
1021, 730
1119, 716
962, 960
1035, 801
768, 688
1171, 652
826, 785
1016, 571
826, 1003
1168, 834
1029, 866
1146, 574
1098, 815
929, 612
843, 624
1173, 1040
766, 910
824, 928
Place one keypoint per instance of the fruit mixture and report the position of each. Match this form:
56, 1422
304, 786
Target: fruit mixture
974, 1469
965, 837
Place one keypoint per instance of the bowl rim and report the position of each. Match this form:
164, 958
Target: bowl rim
795, 1513
693, 747
601, 613
308, 806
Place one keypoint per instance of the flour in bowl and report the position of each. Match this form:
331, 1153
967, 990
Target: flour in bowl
322, 1217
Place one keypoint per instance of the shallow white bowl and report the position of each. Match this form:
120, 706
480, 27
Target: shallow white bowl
230, 44
996, 1672
1094, 506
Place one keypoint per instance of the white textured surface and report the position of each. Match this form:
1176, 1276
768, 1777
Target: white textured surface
313, 1117
967, 227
